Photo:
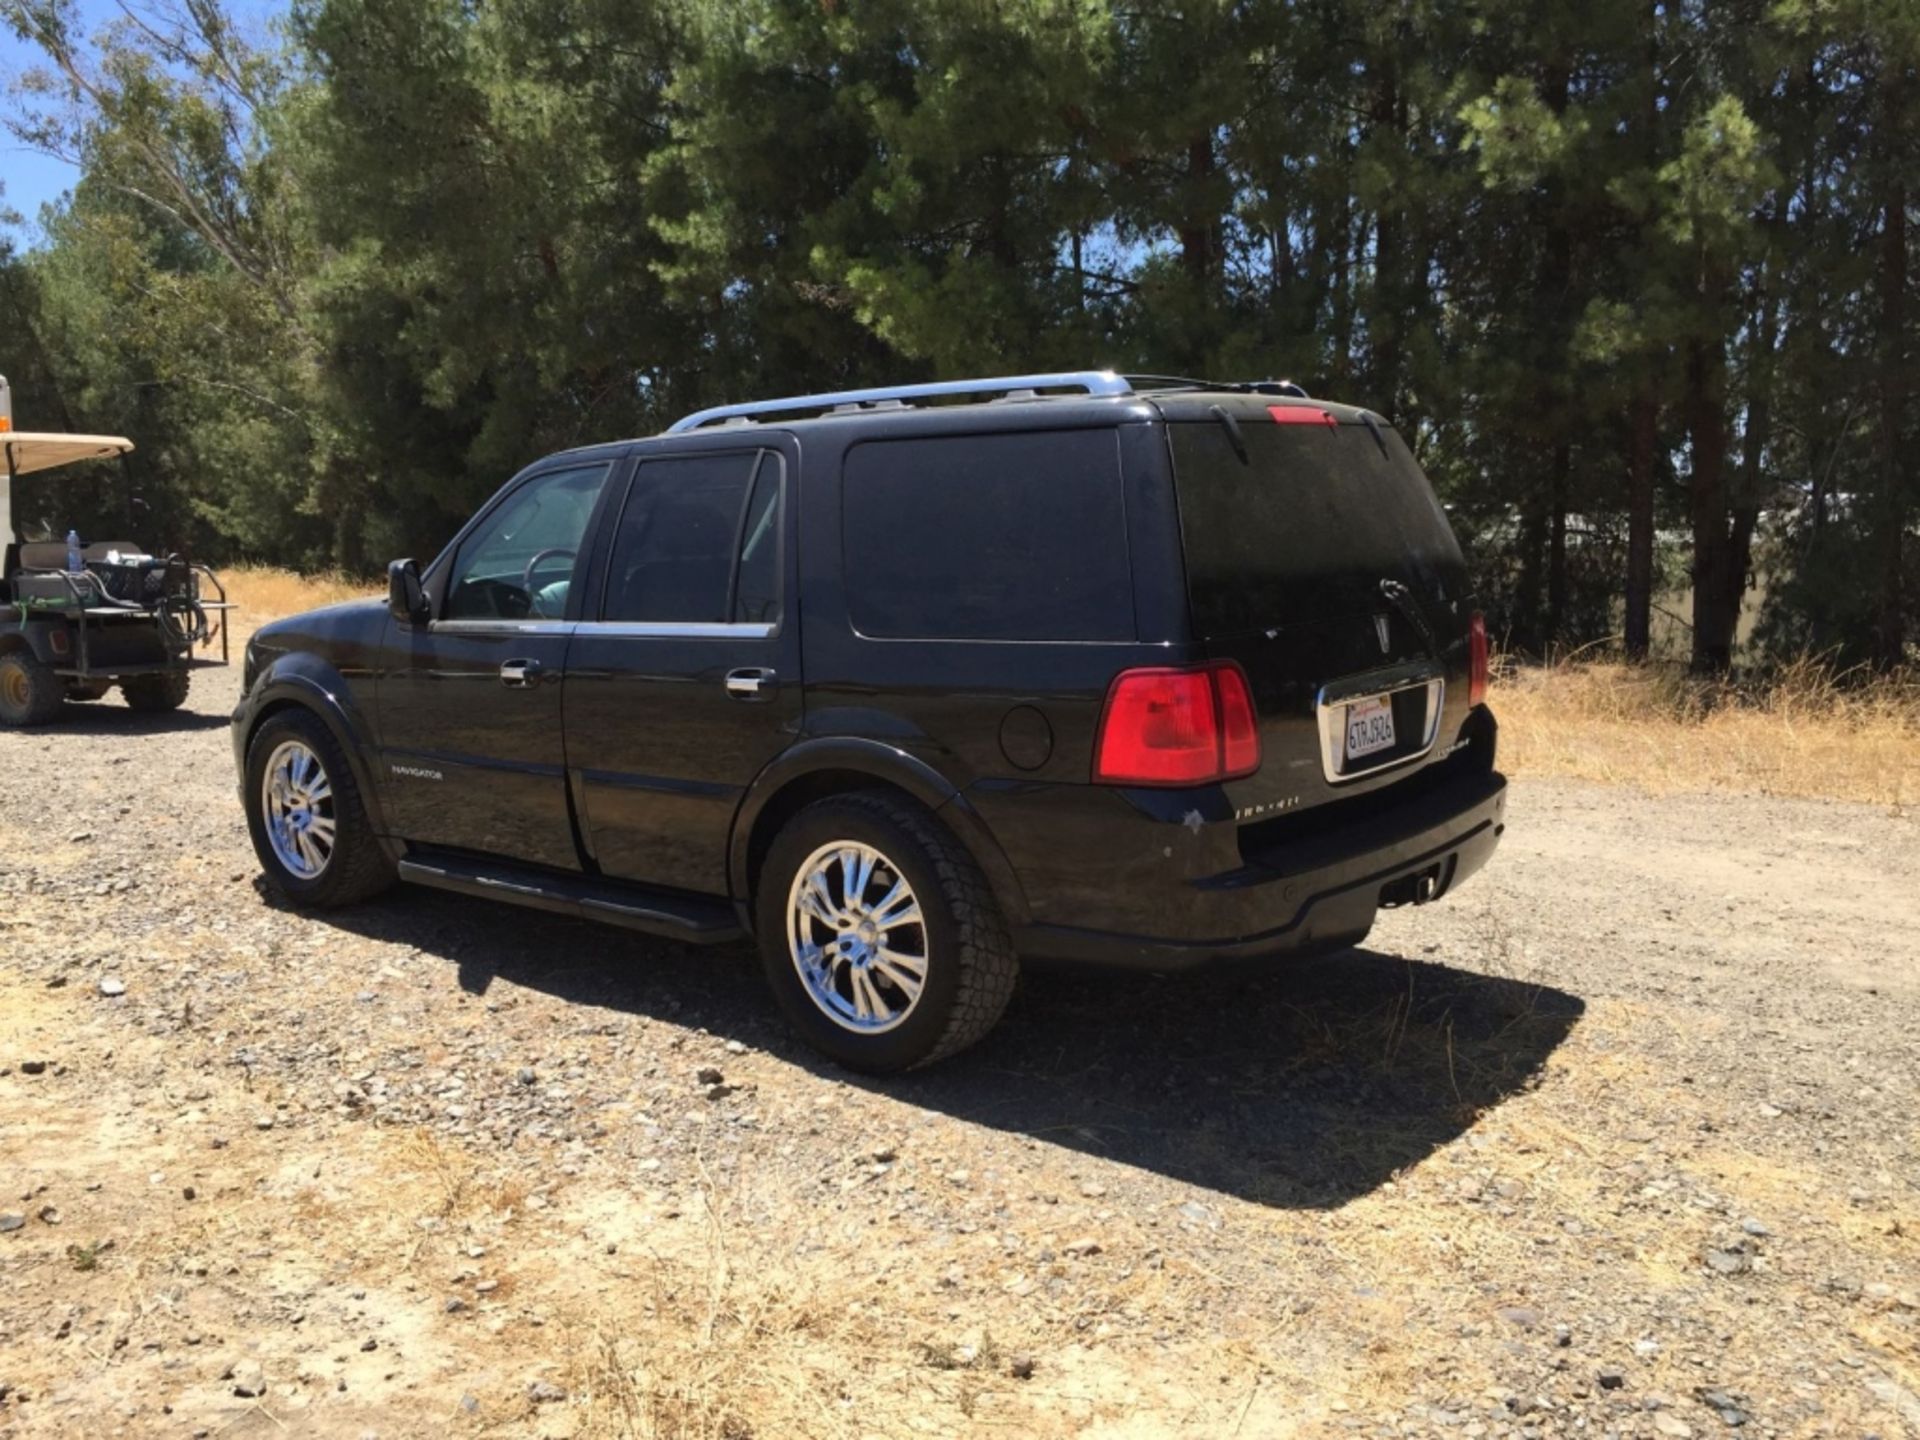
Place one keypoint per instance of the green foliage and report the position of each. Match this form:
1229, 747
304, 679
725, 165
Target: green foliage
339, 282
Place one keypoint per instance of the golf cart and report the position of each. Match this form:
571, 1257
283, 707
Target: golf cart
76, 620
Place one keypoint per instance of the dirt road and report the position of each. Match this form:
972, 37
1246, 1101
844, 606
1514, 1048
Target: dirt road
1620, 1140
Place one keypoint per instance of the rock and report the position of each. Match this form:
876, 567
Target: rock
526, 1076
1726, 1262
1755, 1228
1666, 1424
709, 1075
33, 1067
264, 1122
718, 1091
1199, 1214
885, 1155
1092, 1189
11, 1220
1525, 1316
1020, 1365
368, 1345
1086, 1245
80, 837
49, 1214
734, 1047
249, 1380
112, 985
545, 1392
1611, 1379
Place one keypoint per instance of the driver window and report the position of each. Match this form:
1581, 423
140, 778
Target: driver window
519, 564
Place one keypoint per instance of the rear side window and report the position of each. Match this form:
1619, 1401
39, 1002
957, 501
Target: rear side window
698, 542
988, 537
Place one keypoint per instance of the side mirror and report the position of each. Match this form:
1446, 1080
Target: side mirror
406, 599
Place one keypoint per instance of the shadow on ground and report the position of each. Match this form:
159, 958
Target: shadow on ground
110, 717
1302, 1084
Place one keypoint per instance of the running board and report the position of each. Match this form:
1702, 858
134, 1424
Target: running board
690, 918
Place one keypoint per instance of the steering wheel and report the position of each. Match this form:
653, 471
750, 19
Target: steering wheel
526, 579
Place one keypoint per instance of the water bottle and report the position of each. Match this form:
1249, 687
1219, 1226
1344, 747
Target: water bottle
76, 562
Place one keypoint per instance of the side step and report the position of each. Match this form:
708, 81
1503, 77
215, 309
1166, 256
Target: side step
690, 918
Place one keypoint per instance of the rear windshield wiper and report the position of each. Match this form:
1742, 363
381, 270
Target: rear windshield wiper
1402, 600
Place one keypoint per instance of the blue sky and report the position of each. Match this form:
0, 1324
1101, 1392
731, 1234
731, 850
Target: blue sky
31, 180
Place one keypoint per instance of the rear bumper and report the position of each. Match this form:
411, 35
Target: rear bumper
1311, 894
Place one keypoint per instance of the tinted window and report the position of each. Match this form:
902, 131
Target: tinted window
1307, 526
989, 537
678, 549
519, 563
757, 589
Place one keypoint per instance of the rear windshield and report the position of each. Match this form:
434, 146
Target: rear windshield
988, 537
1307, 526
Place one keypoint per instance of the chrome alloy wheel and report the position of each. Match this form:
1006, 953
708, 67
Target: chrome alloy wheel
857, 937
296, 802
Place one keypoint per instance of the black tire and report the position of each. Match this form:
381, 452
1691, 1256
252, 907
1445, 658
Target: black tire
358, 866
153, 694
79, 692
30, 693
970, 962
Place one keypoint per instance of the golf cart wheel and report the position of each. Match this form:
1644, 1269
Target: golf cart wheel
30, 693
81, 691
154, 693
304, 814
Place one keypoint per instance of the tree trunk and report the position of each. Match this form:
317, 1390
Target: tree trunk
1889, 629
1715, 582
1199, 228
1559, 476
1645, 422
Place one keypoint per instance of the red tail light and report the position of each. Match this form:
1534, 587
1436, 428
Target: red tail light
1477, 659
1302, 415
1177, 727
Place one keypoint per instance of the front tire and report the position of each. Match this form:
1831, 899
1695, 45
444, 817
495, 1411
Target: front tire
880, 937
30, 693
157, 693
305, 815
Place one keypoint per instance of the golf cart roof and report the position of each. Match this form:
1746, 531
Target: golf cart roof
24, 451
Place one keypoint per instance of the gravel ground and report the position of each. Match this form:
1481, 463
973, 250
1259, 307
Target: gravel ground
1619, 1140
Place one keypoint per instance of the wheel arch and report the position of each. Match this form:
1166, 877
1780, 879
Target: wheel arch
298, 690
815, 770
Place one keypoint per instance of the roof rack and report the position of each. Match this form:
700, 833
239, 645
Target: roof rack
1092, 382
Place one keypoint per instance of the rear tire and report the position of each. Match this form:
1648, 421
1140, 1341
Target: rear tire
352, 864
79, 692
864, 985
153, 694
30, 693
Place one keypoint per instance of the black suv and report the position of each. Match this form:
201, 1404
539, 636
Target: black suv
909, 682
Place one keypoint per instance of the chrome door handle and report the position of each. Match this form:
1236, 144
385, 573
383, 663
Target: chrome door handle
749, 684
519, 674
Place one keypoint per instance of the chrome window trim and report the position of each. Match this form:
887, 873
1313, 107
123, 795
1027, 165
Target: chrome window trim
1329, 708
502, 627
678, 629
613, 629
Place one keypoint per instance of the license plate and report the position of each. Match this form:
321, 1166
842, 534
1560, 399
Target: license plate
1369, 727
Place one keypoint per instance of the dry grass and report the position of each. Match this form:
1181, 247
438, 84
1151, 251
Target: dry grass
1808, 730
264, 593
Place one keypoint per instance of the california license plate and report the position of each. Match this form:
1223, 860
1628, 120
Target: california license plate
1369, 727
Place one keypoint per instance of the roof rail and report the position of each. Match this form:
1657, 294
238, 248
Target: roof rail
1093, 382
